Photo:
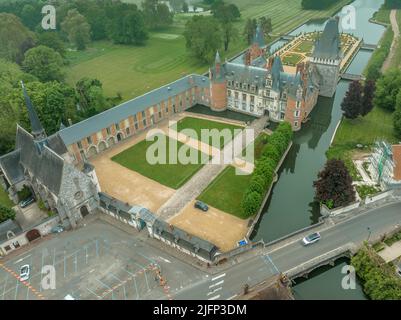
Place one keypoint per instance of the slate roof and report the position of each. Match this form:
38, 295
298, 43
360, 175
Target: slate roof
259, 38
38, 158
328, 46
87, 127
8, 225
36, 126
10, 164
192, 243
242, 73
57, 144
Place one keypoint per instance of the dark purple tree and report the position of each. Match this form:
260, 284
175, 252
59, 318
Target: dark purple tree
352, 103
368, 95
334, 185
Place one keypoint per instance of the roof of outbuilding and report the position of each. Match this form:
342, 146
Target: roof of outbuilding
8, 225
87, 127
197, 245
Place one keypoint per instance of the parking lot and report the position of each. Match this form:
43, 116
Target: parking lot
98, 261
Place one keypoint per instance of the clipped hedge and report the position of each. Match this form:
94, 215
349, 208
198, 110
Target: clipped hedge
263, 174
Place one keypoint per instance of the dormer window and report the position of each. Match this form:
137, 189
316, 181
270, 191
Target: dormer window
236, 85
253, 88
269, 83
244, 86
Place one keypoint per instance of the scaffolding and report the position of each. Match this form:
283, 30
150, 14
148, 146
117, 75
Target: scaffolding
382, 163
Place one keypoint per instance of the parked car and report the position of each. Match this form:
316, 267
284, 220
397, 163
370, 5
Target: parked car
57, 229
201, 205
27, 202
25, 272
312, 238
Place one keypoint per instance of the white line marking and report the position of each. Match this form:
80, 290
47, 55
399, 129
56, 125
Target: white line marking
216, 284
218, 277
214, 298
214, 291
19, 260
232, 297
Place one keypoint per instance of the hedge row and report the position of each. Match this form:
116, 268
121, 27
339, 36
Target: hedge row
263, 174
6, 213
373, 69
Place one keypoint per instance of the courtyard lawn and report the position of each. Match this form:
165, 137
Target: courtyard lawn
198, 124
4, 199
292, 59
226, 191
170, 175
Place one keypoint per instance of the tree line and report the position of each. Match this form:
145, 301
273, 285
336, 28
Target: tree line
317, 4
265, 168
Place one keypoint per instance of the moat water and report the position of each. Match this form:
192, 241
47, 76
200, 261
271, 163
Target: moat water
291, 205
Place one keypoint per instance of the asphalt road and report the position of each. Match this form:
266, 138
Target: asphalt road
228, 284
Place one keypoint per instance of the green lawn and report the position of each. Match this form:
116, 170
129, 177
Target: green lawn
383, 15
377, 124
4, 199
226, 191
170, 175
198, 124
132, 71
292, 59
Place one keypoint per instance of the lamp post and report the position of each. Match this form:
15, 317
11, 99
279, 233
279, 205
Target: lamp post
370, 232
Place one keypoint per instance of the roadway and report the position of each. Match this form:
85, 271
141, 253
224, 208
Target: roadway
229, 283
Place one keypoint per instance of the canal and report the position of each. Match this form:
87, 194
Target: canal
291, 205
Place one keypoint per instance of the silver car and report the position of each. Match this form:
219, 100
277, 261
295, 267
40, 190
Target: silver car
312, 238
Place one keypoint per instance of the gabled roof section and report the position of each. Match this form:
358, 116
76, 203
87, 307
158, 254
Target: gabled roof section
328, 46
87, 127
10, 163
40, 160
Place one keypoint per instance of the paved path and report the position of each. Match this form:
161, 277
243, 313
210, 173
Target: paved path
396, 30
204, 176
391, 253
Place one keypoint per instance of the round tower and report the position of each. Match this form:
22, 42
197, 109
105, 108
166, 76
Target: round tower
218, 86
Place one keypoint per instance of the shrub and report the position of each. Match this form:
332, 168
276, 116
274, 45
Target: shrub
258, 184
6, 213
24, 193
251, 203
272, 152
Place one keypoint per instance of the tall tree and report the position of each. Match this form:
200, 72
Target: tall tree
90, 98
387, 88
397, 116
185, 7
203, 37
249, 30
368, 95
266, 25
352, 103
157, 14
15, 38
334, 185
229, 33
52, 40
77, 28
44, 63
128, 28
177, 5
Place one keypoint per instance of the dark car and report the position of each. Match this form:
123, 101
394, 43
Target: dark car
201, 205
27, 202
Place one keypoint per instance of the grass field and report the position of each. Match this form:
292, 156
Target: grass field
291, 59
132, 71
227, 190
170, 175
4, 199
198, 124
377, 124
383, 16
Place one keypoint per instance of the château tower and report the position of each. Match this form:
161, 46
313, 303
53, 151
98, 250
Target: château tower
218, 86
